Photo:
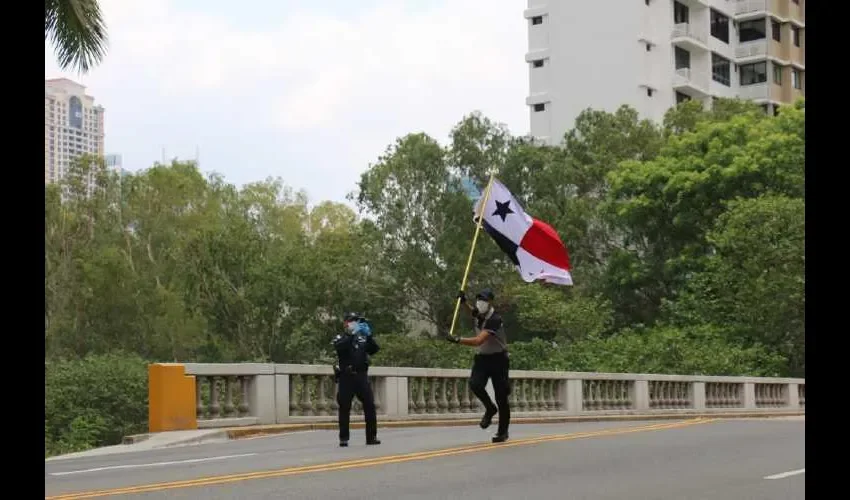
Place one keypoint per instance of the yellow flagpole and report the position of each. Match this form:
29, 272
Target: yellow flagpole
472, 249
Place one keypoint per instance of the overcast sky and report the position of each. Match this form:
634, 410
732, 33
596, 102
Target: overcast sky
307, 91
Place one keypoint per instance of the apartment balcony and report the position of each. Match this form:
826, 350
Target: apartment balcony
694, 83
688, 37
751, 7
755, 92
696, 4
752, 50
783, 9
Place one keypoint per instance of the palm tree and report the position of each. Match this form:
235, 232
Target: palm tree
77, 32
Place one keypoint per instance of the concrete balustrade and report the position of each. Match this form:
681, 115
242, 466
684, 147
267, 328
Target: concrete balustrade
246, 394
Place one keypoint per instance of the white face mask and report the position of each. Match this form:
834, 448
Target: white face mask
351, 326
482, 306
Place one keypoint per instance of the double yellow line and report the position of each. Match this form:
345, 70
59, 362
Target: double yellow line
368, 462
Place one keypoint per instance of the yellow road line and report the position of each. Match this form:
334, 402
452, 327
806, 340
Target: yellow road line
367, 462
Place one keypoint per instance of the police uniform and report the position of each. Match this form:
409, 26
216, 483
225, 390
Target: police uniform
353, 351
492, 362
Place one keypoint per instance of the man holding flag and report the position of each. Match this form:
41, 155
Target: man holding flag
491, 362
539, 255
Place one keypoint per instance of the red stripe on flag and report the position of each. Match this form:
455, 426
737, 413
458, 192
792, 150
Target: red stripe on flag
543, 242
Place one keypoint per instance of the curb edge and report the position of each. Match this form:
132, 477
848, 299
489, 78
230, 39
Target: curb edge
253, 431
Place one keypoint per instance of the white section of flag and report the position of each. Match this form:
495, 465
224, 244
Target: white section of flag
516, 224
533, 269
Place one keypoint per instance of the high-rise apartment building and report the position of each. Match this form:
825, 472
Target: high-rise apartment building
73, 126
652, 54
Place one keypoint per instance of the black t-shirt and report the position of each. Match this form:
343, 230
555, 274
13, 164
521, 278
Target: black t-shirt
498, 341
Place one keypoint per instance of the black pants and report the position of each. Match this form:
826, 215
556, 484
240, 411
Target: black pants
350, 385
494, 367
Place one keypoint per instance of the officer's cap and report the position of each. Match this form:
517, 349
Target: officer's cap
351, 316
486, 294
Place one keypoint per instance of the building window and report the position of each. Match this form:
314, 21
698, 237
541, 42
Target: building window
539, 107
750, 31
648, 46
795, 31
776, 29
646, 2
795, 79
680, 97
777, 74
537, 20
719, 26
720, 69
753, 73
680, 13
538, 63
649, 92
683, 58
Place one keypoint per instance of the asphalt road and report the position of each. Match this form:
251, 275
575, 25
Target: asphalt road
756, 459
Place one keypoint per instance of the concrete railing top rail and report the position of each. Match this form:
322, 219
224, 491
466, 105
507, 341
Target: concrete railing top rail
237, 369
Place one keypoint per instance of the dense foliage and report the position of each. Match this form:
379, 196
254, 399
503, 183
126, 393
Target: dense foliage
687, 242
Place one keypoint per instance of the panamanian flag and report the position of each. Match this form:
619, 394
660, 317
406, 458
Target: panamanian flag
532, 245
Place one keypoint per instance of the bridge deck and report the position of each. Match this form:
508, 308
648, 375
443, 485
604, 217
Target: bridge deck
679, 460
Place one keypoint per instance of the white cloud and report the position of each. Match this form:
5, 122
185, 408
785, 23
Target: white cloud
359, 81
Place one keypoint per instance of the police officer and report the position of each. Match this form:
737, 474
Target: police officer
491, 361
353, 348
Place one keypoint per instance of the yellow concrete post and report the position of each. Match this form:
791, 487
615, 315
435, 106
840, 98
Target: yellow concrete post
171, 398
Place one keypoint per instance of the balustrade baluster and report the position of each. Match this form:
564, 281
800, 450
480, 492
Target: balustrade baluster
411, 402
199, 401
376, 386
294, 383
454, 403
229, 407
306, 397
467, 403
244, 406
523, 394
432, 395
537, 394
322, 404
443, 403
215, 408
334, 404
554, 395
421, 405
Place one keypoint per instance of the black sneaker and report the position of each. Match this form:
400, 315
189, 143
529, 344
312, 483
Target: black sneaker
500, 438
487, 419
373, 441
343, 443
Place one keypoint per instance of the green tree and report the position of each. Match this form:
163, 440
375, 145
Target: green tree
664, 207
665, 349
753, 284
